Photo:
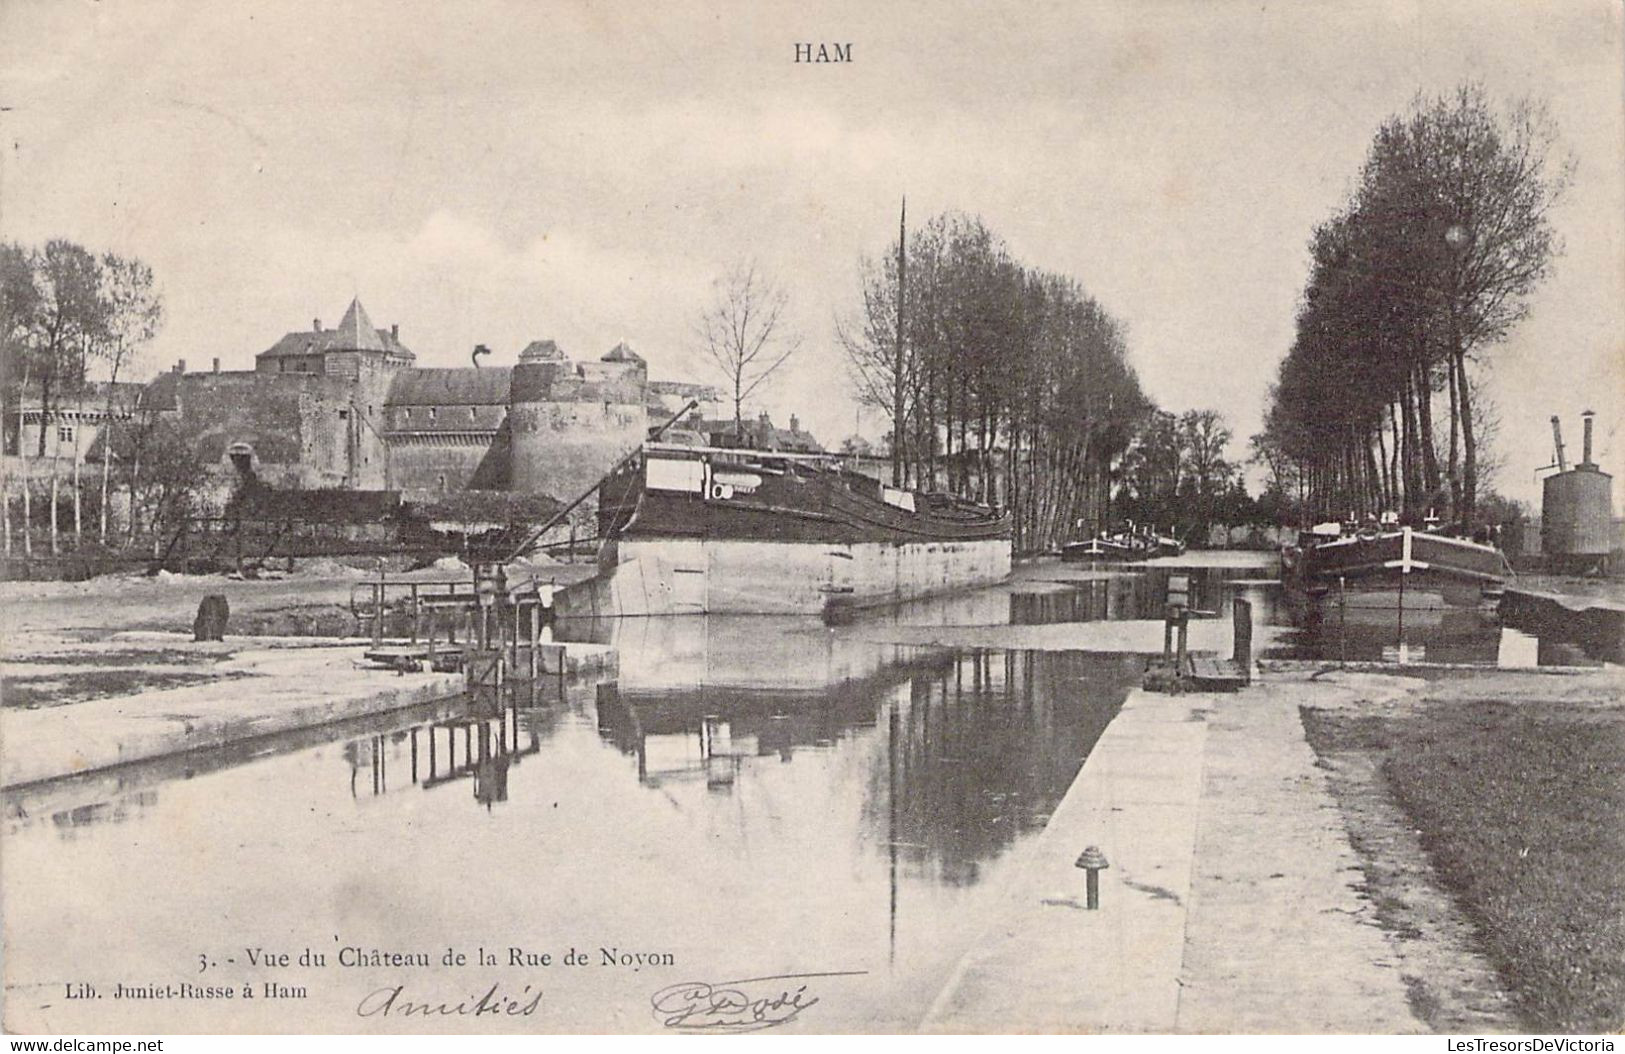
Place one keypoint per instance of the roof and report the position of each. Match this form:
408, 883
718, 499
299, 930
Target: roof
759, 434
354, 333
622, 352
708, 392
464, 386
542, 351
93, 394
797, 441
160, 393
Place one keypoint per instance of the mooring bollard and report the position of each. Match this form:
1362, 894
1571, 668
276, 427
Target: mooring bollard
212, 613
1241, 651
1093, 862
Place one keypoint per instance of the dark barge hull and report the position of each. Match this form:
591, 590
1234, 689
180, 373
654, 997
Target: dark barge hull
1398, 569
690, 531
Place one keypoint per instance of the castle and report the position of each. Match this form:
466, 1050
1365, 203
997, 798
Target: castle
348, 408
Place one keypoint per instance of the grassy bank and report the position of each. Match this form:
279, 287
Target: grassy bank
1519, 807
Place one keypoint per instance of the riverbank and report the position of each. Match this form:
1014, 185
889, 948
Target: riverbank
1250, 889
103, 673
274, 689
1507, 795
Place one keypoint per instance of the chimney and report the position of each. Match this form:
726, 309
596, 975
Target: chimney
180, 365
395, 332
316, 324
217, 364
795, 423
1585, 448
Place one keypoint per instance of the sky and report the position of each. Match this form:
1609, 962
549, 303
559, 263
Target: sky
497, 173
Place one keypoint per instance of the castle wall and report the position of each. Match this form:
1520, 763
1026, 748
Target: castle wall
354, 418
306, 431
562, 448
444, 464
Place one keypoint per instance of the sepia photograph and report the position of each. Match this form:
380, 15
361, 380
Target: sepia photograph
585, 517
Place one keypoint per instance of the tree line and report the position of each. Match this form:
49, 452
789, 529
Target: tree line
67, 313
1003, 384
1423, 271
1178, 476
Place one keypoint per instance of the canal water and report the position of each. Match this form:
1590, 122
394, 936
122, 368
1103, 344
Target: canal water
1327, 632
747, 798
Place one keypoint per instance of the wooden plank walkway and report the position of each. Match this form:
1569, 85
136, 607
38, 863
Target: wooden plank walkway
1212, 674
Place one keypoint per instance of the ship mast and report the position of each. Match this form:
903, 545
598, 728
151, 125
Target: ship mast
897, 362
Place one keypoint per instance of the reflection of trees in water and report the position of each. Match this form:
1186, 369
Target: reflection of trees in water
977, 750
984, 751
1085, 603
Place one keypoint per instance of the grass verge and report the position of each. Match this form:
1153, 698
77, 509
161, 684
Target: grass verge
1519, 808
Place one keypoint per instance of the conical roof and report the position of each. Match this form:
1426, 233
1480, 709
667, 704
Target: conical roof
622, 352
356, 332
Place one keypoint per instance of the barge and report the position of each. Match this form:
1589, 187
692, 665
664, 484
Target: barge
1133, 543
704, 530
1396, 568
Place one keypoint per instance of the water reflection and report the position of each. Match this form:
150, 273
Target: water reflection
979, 745
478, 745
981, 750
1331, 632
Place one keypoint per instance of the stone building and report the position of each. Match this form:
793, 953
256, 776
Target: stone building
347, 407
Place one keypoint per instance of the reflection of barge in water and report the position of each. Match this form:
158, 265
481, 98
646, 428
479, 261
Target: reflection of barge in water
693, 530
1451, 636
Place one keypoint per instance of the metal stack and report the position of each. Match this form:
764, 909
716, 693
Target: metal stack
1576, 524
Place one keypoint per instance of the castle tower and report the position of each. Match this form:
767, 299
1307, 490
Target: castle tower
572, 421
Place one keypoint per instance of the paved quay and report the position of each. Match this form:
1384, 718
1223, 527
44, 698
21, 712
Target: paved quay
1230, 903
258, 687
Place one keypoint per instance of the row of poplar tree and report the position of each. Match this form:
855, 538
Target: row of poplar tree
1422, 272
1012, 382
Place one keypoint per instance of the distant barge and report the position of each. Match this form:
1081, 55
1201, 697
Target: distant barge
1399, 568
1135, 543
700, 530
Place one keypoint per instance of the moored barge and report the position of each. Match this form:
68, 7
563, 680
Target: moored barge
1395, 568
697, 530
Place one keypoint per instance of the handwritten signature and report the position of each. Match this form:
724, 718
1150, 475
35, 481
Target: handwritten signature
392, 1000
746, 1005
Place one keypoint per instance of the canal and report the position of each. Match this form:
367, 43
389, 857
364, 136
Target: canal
747, 798
750, 797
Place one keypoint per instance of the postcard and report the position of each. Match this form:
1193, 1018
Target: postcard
839, 518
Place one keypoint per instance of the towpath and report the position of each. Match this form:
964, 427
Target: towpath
1231, 902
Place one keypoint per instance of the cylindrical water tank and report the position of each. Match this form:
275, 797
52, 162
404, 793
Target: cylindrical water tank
1576, 516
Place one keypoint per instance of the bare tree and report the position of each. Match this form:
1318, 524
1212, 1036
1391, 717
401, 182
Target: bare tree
71, 317
135, 312
743, 333
1010, 385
